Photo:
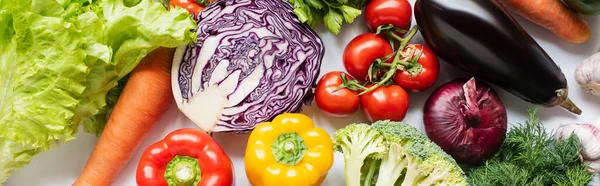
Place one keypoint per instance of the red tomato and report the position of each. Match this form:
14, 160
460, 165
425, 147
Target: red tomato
362, 51
341, 103
428, 74
385, 103
384, 12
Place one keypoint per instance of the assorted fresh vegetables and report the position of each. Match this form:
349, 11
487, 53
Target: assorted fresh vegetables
145, 98
185, 157
467, 119
392, 153
554, 16
587, 74
253, 60
481, 38
589, 138
251, 65
532, 156
332, 13
59, 60
290, 150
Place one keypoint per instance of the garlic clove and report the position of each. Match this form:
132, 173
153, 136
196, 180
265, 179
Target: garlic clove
593, 88
587, 74
593, 166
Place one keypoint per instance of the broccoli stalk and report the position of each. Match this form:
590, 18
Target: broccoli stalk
392, 165
357, 142
412, 173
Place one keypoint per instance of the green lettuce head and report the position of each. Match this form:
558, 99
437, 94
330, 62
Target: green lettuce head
59, 59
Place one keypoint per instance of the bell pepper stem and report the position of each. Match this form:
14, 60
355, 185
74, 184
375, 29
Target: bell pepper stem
289, 148
183, 171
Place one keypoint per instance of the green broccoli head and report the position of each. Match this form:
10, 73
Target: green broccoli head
414, 158
357, 142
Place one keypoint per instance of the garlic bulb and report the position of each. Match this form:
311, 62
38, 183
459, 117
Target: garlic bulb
587, 74
589, 139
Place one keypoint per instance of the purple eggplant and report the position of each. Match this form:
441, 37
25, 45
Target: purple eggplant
482, 38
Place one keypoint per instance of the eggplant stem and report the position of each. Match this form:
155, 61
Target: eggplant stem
570, 106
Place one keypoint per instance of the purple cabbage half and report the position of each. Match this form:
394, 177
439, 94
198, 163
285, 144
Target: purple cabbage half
253, 60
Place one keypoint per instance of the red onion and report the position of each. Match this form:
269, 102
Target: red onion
467, 119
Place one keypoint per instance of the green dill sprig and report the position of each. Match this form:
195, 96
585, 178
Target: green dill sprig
530, 155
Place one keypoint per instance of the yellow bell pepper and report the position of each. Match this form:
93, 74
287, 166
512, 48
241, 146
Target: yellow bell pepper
288, 151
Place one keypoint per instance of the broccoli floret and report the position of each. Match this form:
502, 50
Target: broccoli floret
413, 159
394, 153
358, 142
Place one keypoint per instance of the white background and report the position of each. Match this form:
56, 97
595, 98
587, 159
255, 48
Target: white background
61, 166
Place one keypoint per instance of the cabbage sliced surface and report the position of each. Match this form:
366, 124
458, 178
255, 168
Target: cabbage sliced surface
253, 60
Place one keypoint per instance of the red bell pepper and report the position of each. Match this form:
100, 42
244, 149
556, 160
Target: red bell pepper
185, 157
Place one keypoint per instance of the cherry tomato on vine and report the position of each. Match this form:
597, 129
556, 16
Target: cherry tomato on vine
385, 103
428, 74
362, 51
385, 12
337, 103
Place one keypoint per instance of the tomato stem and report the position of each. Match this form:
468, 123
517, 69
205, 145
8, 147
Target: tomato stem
413, 66
352, 85
404, 41
388, 75
375, 66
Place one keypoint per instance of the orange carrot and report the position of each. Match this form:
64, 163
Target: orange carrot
554, 16
144, 100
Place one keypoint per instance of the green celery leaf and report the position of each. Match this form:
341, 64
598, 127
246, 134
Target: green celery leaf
315, 3
301, 14
333, 13
333, 21
349, 13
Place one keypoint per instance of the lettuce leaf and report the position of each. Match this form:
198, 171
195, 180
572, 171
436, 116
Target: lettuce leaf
59, 59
